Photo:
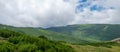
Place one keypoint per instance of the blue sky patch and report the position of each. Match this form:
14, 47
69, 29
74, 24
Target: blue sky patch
97, 8
88, 4
83, 1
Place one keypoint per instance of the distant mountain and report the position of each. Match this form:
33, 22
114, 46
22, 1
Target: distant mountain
73, 33
12, 41
90, 32
47, 33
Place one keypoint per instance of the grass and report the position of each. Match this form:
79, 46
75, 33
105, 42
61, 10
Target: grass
88, 48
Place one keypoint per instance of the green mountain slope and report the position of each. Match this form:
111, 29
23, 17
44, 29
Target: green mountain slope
73, 33
49, 34
88, 37
12, 41
92, 32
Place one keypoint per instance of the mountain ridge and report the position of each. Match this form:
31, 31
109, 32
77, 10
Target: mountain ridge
80, 33
47, 33
103, 32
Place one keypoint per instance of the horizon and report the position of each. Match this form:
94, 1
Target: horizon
57, 26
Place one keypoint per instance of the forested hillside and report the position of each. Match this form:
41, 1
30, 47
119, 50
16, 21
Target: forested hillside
11, 41
75, 38
73, 33
41, 31
92, 32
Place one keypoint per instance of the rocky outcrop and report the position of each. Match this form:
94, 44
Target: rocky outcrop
116, 40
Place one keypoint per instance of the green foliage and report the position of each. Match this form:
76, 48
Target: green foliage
19, 42
43, 37
27, 48
6, 47
6, 33
26, 39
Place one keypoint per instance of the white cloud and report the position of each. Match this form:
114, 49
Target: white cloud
115, 16
42, 13
107, 16
48, 13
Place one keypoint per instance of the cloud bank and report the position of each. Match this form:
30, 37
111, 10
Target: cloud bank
49, 13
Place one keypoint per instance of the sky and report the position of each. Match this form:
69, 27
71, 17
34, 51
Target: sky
52, 13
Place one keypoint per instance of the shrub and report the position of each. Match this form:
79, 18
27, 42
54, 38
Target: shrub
6, 47
27, 48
